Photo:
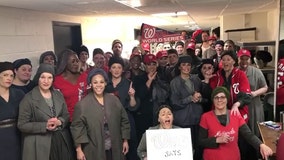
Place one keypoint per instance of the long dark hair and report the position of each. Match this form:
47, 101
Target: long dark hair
63, 60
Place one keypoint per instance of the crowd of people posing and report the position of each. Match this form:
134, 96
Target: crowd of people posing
71, 110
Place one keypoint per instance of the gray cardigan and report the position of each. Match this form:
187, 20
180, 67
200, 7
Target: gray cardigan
185, 111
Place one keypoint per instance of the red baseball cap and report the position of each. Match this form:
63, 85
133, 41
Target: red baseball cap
145, 46
135, 54
161, 54
244, 52
212, 38
191, 46
148, 58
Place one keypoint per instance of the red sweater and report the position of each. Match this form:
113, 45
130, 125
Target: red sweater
72, 92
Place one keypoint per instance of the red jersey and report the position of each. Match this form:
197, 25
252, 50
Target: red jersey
72, 92
280, 82
238, 83
228, 150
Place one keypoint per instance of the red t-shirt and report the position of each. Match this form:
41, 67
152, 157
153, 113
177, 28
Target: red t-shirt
225, 151
72, 92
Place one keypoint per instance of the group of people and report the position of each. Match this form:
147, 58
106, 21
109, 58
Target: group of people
71, 110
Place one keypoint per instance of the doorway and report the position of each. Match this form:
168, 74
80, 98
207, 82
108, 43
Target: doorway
66, 36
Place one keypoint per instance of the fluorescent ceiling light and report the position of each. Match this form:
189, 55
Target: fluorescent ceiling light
130, 3
82, 2
171, 14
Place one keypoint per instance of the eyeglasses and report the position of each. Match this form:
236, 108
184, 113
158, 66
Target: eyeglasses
220, 98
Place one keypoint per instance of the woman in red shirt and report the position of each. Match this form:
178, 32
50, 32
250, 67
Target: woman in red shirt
69, 81
219, 130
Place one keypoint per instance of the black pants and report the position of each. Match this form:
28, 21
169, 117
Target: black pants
246, 150
108, 154
198, 151
61, 149
132, 153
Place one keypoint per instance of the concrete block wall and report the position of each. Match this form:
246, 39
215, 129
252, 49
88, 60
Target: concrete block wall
26, 33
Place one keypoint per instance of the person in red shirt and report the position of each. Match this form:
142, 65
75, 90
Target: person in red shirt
219, 131
69, 81
238, 85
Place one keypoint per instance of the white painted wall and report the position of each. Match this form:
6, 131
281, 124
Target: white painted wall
265, 23
281, 25
231, 22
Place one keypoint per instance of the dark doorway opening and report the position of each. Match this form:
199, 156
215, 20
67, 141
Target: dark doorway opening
66, 36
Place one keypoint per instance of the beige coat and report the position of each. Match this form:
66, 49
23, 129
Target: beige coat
87, 126
33, 115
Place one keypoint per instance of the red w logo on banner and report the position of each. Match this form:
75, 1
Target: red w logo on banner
151, 34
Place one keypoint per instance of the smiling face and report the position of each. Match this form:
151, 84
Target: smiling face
163, 61
244, 62
228, 63
45, 81
49, 59
6, 78
165, 118
116, 70
83, 56
185, 68
73, 64
98, 84
179, 49
218, 49
24, 73
99, 60
207, 69
151, 67
220, 101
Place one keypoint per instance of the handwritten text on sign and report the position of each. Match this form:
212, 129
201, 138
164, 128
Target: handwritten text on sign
169, 144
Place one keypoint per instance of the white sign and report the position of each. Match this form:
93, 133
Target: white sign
169, 144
